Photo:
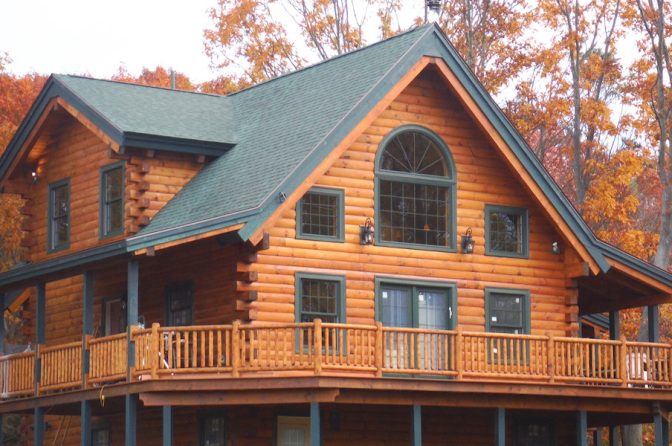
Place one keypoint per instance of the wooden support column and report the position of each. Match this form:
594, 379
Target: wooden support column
315, 429
38, 427
40, 308
500, 426
613, 435
653, 323
581, 428
132, 284
130, 419
614, 325
85, 420
167, 426
87, 324
416, 425
661, 430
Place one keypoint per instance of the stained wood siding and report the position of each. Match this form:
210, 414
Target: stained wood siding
482, 178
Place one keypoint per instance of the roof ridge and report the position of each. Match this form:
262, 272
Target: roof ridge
338, 56
136, 84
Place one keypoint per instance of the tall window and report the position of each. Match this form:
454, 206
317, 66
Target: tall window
319, 215
506, 231
213, 431
534, 433
100, 437
112, 200
507, 311
320, 297
415, 190
293, 431
416, 304
59, 215
179, 304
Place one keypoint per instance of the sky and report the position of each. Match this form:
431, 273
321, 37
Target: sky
95, 37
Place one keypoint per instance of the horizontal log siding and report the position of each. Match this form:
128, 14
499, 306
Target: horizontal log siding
482, 177
76, 153
341, 425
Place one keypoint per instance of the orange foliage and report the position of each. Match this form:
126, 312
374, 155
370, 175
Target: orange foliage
159, 77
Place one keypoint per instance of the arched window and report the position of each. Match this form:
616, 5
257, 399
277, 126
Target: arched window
415, 190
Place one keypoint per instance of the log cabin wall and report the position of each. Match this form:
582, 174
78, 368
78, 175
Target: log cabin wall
482, 178
341, 425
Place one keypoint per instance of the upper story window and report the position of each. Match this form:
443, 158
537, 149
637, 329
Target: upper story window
319, 215
320, 297
506, 232
112, 200
179, 304
415, 190
59, 215
507, 311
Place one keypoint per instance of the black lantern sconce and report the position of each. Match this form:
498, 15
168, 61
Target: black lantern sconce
468, 242
34, 176
366, 233
555, 248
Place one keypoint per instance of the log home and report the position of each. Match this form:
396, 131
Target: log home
363, 252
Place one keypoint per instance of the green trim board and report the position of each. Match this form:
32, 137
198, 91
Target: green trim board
341, 293
339, 229
103, 230
53, 187
524, 294
524, 231
416, 286
448, 182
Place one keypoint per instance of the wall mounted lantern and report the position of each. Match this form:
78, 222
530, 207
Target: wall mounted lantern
555, 248
366, 233
468, 242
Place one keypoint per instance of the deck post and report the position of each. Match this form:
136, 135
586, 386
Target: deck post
614, 325
416, 425
87, 324
2, 436
2, 330
40, 308
597, 437
500, 426
661, 429
581, 428
613, 435
85, 419
315, 429
38, 426
130, 419
653, 323
132, 284
167, 426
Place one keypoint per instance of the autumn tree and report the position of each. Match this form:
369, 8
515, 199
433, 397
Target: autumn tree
158, 77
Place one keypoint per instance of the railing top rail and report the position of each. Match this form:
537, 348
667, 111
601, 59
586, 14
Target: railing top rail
647, 344
52, 348
417, 330
350, 326
113, 337
587, 341
19, 355
488, 334
194, 328
279, 326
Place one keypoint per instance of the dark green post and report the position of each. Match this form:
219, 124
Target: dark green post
130, 419
500, 426
581, 428
39, 426
653, 323
85, 419
416, 425
167, 426
613, 435
614, 325
315, 429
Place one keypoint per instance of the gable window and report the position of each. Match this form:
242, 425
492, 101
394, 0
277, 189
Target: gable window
415, 190
293, 431
59, 215
212, 431
320, 297
506, 232
111, 200
179, 304
507, 311
100, 437
319, 215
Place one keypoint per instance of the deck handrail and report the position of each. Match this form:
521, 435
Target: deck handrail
314, 348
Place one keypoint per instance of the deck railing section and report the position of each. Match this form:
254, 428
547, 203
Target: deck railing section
315, 348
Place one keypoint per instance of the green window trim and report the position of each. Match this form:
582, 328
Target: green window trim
340, 224
170, 291
451, 287
203, 418
449, 182
340, 296
103, 230
522, 293
52, 247
525, 244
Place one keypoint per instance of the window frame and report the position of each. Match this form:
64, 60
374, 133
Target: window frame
525, 420
168, 301
292, 419
50, 242
203, 416
101, 428
103, 207
520, 211
340, 203
341, 296
122, 299
388, 175
450, 287
526, 307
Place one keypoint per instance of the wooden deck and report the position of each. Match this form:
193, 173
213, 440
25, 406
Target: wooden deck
313, 349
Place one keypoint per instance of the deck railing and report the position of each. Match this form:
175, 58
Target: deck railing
325, 348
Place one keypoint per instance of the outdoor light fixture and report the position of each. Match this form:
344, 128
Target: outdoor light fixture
468, 242
433, 5
366, 233
555, 248
33, 175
